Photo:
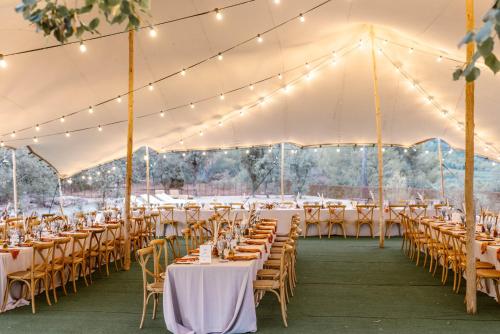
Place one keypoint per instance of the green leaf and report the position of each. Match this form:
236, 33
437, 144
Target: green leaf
94, 23
492, 62
457, 74
484, 32
473, 74
467, 38
486, 47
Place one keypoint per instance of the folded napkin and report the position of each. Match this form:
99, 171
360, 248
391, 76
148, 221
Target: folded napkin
249, 250
259, 236
255, 242
13, 252
189, 259
242, 257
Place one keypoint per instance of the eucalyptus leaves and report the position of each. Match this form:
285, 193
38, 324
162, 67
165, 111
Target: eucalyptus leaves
55, 18
484, 39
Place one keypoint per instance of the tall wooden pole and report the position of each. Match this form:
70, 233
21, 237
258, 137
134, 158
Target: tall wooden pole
130, 143
282, 171
14, 181
378, 119
441, 167
470, 214
61, 201
147, 175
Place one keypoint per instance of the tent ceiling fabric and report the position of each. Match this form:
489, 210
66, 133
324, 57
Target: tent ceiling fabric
336, 106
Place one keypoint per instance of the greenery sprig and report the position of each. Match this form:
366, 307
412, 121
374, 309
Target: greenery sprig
57, 19
485, 43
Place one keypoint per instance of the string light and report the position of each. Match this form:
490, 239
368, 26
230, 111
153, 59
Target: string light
338, 149
280, 76
225, 152
13, 134
37, 127
162, 113
307, 65
200, 133
220, 123
221, 96
152, 32
3, 62
218, 14
444, 112
150, 86
276, 2
439, 59
183, 154
302, 18
405, 150
181, 142
119, 99
259, 38
410, 50
2, 144
35, 139
91, 110
242, 112
191, 105
62, 119
251, 87
219, 56
83, 47
247, 151
68, 134
99, 128
203, 153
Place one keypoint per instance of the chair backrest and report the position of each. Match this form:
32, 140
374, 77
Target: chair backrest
42, 254
79, 243
59, 252
336, 212
192, 214
223, 211
395, 211
312, 213
166, 214
418, 210
143, 256
159, 250
112, 234
365, 212
237, 205
155, 219
96, 237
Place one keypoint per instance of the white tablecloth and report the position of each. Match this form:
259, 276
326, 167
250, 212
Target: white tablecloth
9, 265
212, 298
284, 217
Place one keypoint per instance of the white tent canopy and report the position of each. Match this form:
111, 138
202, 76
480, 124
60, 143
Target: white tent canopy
334, 106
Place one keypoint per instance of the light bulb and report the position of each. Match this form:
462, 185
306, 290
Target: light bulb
225, 152
191, 105
152, 32
242, 112
219, 56
203, 153
119, 99
315, 150
68, 134
444, 112
439, 59
162, 114
221, 97
2, 144
383, 149
218, 14
62, 119
220, 123
280, 76
151, 87
99, 128
164, 156
426, 151
277, 2
410, 50
13, 134
201, 133
3, 62
379, 51
385, 42
83, 47
37, 127
251, 87
338, 149
302, 18
183, 72
308, 66
405, 150
247, 151
181, 142
183, 154
35, 139
91, 110
259, 38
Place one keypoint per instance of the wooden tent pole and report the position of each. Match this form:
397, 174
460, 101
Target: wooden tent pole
61, 202
282, 171
441, 167
130, 143
470, 214
147, 175
378, 119
14, 181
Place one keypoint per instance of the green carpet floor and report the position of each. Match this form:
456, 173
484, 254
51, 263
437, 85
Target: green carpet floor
345, 286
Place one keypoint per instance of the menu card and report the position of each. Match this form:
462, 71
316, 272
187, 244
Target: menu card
205, 254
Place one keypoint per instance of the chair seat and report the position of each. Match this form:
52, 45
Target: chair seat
155, 287
26, 275
264, 284
488, 273
268, 273
484, 265
55, 267
272, 263
75, 260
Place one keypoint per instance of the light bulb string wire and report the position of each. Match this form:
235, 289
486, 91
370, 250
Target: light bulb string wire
235, 113
184, 105
187, 17
108, 100
433, 101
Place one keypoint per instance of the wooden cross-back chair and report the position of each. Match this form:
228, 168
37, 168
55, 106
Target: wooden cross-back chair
192, 214
77, 259
152, 286
15, 223
395, 211
94, 250
312, 217
418, 211
108, 246
223, 213
57, 265
336, 214
35, 275
167, 218
237, 205
365, 217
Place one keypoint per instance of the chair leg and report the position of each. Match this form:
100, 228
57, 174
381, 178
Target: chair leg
144, 306
319, 230
53, 285
46, 284
329, 230
357, 230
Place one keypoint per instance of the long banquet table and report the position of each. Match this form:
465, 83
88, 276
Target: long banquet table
284, 217
212, 298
